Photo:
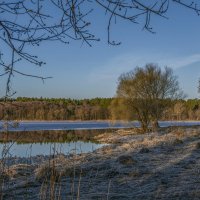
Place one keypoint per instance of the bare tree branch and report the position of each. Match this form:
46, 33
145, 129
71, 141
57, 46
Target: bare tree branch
25, 23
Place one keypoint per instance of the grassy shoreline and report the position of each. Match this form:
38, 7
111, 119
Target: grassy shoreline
163, 164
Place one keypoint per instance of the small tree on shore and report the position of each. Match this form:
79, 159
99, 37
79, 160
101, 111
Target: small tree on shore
147, 92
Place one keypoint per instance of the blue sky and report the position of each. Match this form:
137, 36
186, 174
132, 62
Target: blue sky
80, 71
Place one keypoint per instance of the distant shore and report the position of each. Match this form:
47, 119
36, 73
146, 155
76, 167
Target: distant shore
112, 121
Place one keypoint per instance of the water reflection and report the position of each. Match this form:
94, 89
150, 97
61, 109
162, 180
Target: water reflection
28, 150
32, 143
50, 136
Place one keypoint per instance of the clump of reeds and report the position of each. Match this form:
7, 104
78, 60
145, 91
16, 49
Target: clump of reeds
47, 172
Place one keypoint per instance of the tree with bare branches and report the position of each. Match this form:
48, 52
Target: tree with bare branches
147, 92
25, 23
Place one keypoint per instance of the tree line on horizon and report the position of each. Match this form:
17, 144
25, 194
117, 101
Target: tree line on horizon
25, 108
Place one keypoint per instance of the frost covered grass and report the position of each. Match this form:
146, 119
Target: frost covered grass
163, 164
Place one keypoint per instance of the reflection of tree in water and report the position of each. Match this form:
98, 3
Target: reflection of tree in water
50, 136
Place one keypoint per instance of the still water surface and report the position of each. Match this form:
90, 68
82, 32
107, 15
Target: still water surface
88, 125
35, 149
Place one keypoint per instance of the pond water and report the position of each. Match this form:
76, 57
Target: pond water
45, 138
35, 149
33, 143
64, 125
87, 125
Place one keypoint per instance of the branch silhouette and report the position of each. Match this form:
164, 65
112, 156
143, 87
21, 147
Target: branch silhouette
25, 23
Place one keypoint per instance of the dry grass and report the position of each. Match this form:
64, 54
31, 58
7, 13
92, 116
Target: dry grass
163, 165
19, 170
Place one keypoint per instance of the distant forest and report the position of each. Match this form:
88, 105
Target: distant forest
23, 108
